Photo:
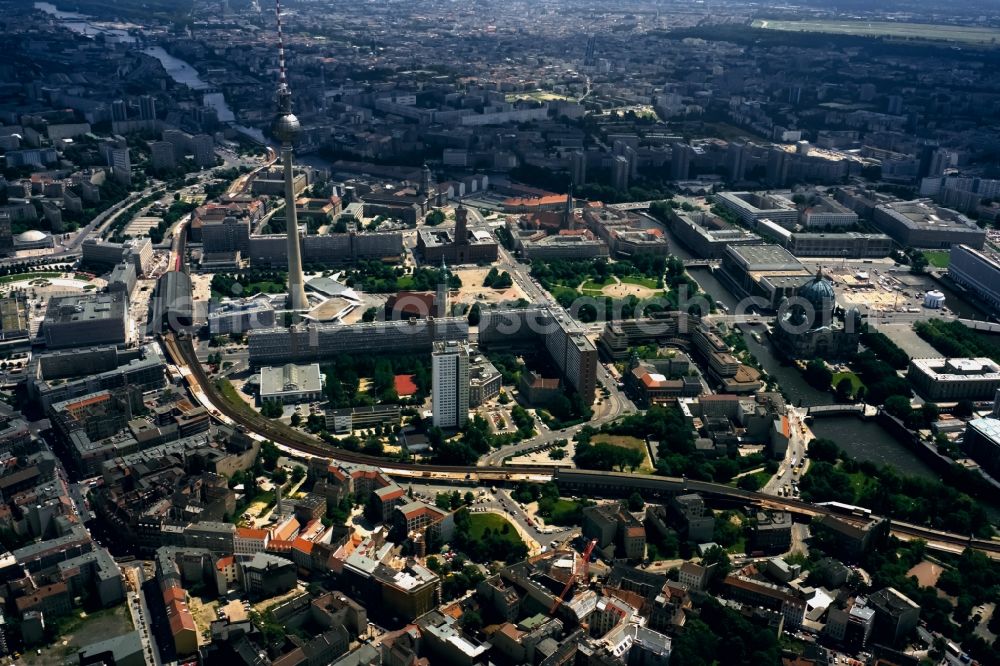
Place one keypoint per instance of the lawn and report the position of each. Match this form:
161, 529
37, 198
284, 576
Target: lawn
859, 481
564, 512
937, 258
596, 285
856, 382
738, 548
262, 287
18, 277
627, 442
267, 287
480, 522
648, 282
938, 33
566, 292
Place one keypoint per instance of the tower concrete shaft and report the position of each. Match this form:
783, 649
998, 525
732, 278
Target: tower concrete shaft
296, 281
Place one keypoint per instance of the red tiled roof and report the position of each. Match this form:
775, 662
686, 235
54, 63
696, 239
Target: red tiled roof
279, 546
41, 593
285, 530
180, 618
548, 200
173, 593
392, 494
303, 545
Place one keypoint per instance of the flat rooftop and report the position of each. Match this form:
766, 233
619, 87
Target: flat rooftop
958, 369
924, 214
290, 378
988, 428
765, 257
94, 307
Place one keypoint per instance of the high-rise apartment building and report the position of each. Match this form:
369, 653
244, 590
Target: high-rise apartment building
119, 110
450, 393
203, 147
620, 172
121, 165
147, 107
163, 155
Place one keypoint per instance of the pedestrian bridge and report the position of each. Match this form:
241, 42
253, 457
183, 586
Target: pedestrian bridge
820, 411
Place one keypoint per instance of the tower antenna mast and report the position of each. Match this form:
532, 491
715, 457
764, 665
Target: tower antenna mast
287, 129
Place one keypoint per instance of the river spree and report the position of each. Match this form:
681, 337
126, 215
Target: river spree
182, 72
179, 70
83, 24
863, 440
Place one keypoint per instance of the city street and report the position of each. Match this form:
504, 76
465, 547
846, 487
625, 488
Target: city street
135, 576
795, 463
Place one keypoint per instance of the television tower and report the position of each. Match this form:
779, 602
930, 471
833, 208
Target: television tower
286, 129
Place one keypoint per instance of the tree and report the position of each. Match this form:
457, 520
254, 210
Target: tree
269, 454
818, 374
471, 621
373, 446
369, 314
726, 533
635, 502
272, 409
918, 262
716, 555
898, 406
749, 482
930, 413
824, 450
475, 313
844, 389
469, 498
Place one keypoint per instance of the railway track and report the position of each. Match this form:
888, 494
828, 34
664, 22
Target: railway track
182, 353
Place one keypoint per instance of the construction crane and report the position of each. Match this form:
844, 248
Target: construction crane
574, 575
